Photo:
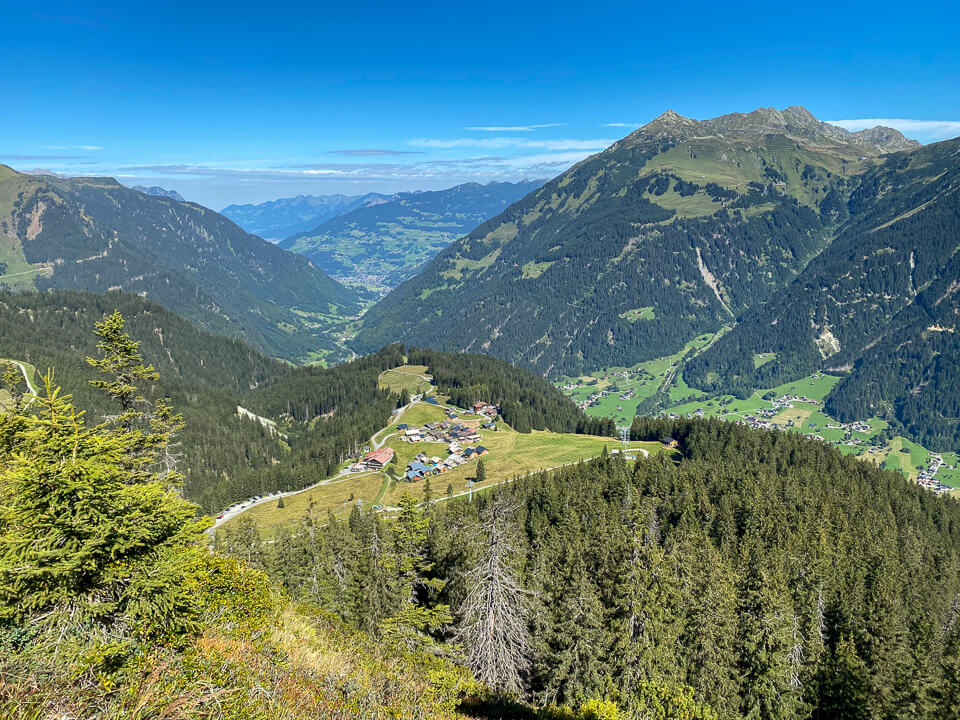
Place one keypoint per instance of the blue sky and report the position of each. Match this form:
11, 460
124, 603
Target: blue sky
252, 101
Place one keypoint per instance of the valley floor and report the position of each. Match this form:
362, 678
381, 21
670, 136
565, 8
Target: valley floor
795, 406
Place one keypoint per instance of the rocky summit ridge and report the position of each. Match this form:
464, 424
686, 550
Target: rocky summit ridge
795, 121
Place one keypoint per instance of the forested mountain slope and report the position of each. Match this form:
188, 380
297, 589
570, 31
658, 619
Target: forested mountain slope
203, 375
767, 572
275, 220
670, 232
113, 604
878, 306
319, 417
95, 234
384, 242
226, 456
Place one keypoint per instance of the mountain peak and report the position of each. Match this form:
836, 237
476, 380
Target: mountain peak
799, 115
157, 191
670, 121
886, 139
670, 115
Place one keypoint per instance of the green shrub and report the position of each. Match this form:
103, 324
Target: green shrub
600, 710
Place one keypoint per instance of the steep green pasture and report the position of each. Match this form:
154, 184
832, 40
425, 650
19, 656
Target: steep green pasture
406, 377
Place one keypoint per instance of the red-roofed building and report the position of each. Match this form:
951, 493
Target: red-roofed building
378, 459
483, 407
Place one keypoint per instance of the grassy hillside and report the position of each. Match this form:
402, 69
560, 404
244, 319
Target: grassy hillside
285, 662
411, 378
511, 454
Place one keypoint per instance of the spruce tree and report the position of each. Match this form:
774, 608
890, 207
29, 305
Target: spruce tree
844, 688
121, 360
165, 424
948, 689
148, 431
571, 659
882, 638
243, 541
373, 589
481, 470
413, 587
647, 631
80, 541
709, 604
767, 691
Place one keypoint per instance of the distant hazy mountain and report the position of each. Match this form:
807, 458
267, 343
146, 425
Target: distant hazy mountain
95, 234
383, 242
673, 231
158, 191
282, 218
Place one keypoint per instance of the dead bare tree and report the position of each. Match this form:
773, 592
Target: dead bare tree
493, 615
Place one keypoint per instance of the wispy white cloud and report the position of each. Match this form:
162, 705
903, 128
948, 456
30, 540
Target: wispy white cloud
512, 128
513, 142
40, 157
622, 125
218, 183
240, 172
929, 130
552, 163
367, 152
477, 168
71, 147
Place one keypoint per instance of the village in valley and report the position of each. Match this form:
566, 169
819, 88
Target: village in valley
797, 406
455, 435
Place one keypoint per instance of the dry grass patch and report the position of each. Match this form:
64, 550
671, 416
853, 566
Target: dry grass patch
798, 415
334, 496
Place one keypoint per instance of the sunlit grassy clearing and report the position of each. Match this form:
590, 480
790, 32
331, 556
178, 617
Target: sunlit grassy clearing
761, 359
405, 377
335, 497
511, 454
